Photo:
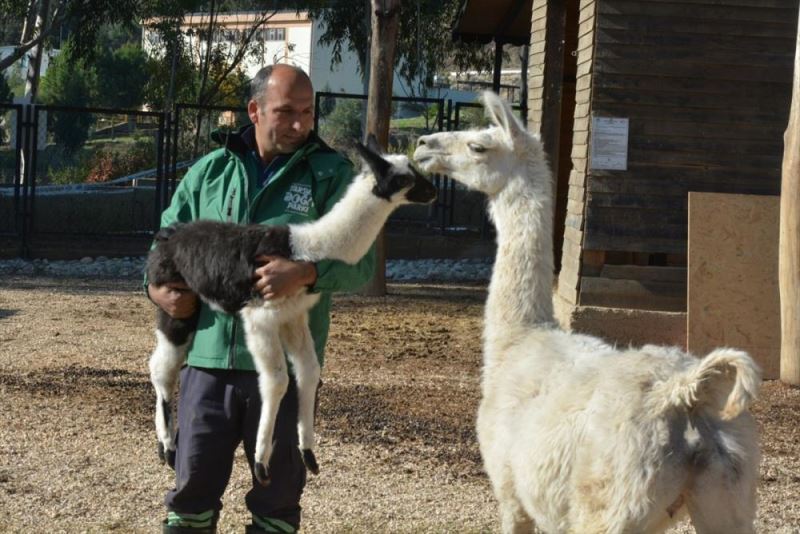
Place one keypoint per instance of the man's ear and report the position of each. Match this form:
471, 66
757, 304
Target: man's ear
252, 111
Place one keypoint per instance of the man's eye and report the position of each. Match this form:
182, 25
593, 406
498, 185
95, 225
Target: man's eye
475, 147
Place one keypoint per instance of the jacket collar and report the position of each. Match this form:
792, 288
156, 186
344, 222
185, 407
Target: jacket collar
243, 140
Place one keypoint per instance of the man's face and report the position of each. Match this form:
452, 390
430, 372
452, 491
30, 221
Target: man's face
284, 116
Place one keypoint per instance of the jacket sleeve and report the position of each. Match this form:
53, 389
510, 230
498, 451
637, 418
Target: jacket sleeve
184, 206
333, 275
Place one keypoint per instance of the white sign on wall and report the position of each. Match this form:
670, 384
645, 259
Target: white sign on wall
609, 146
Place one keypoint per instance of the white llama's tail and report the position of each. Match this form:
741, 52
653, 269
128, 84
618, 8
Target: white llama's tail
725, 382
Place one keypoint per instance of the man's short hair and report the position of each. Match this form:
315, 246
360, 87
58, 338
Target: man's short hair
258, 85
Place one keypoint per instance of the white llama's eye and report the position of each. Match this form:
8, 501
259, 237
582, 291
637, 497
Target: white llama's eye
475, 147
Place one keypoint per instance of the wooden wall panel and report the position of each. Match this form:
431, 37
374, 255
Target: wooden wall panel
569, 278
536, 65
705, 85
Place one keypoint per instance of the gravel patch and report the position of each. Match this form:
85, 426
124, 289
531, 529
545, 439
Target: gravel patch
474, 270
397, 444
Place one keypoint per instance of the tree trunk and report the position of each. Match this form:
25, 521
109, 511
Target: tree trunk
385, 23
35, 62
789, 256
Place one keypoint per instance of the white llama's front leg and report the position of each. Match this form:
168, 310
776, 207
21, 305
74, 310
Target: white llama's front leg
261, 336
296, 336
165, 365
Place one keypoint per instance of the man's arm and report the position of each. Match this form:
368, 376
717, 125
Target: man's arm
282, 277
175, 298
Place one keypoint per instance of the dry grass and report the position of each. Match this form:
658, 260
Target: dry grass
397, 445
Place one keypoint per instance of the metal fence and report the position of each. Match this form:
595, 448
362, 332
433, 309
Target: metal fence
94, 181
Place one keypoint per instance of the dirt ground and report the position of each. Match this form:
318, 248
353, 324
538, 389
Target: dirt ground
397, 445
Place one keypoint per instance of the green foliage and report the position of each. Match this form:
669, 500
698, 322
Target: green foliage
66, 167
97, 164
6, 95
16, 83
87, 19
116, 161
69, 82
120, 79
343, 125
424, 45
472, 117
158, 81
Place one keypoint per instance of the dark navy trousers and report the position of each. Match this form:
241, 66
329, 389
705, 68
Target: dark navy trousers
218, 409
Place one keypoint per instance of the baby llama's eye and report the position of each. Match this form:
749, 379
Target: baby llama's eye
475, 147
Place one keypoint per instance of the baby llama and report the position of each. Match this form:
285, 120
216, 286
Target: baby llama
216, 260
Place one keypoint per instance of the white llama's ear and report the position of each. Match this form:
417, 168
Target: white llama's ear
500, 113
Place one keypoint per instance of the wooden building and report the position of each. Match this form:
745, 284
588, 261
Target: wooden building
640, 102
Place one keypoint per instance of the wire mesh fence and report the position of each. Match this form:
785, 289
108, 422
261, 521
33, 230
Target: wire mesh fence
107, 174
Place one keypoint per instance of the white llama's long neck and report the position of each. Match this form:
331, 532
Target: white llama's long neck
347, 231
520, 291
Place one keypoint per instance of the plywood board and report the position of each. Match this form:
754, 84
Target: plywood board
733, 297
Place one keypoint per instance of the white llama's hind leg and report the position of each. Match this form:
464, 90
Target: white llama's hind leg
261, 336
296, 335
165, 365
513, 517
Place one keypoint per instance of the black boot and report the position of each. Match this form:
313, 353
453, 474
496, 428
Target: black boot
255, 529
168, 529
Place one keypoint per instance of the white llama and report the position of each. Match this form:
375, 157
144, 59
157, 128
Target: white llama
217, 260
578, 436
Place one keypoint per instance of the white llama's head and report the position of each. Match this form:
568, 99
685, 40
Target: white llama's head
486, 160
393, 178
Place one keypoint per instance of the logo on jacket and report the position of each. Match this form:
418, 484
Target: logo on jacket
298, 199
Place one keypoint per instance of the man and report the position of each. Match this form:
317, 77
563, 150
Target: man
275, 171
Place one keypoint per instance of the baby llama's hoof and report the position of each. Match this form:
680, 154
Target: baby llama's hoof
311, 461
262, 475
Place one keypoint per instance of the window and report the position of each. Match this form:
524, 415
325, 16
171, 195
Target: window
276, 34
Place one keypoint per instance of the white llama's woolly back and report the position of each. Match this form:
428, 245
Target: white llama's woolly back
577, 435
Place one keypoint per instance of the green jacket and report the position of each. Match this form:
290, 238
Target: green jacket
223, 186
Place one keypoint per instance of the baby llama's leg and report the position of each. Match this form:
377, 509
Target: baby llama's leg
261, 336
300, 346
172, 344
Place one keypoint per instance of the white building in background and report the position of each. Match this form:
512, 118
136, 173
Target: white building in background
287, 37
20, 68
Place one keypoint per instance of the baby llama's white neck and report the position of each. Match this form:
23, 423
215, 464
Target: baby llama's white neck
347, 231
520, 291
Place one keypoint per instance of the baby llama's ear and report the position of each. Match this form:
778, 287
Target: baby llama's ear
500, 113
378, 165
372, 144
165, 233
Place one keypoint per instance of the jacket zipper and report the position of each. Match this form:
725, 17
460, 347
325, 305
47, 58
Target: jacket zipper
232, 346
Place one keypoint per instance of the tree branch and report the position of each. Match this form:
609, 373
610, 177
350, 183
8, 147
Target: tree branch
19, 51
241, 50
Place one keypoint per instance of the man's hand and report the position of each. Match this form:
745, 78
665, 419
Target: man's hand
174, 298
280, 277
